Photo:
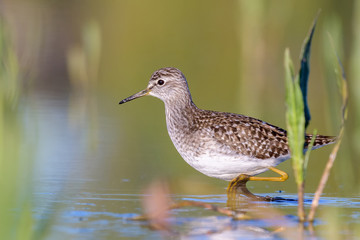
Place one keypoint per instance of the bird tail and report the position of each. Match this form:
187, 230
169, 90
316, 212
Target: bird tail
320, 140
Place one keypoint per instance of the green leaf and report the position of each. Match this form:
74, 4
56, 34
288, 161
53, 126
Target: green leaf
305, 70
295, 120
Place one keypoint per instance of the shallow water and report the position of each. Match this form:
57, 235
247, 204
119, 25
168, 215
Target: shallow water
107, 215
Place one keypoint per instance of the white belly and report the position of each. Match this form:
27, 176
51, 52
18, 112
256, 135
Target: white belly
230, 167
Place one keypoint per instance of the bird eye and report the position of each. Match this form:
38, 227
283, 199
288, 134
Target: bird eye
161, 82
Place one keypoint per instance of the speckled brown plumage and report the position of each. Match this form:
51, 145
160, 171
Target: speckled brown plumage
250, 136
218, 144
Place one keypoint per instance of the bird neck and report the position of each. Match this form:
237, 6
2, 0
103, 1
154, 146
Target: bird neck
180, 114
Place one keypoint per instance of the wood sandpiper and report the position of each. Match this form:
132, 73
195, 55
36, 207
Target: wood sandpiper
220, 144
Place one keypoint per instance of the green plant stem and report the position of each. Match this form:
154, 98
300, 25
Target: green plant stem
324, 178
301, 209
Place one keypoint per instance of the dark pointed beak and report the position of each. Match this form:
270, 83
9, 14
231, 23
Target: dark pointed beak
136, 95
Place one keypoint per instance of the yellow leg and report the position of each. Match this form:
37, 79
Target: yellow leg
242, 179
283, 176
238, 185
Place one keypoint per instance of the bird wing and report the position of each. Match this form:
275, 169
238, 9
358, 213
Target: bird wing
247, 136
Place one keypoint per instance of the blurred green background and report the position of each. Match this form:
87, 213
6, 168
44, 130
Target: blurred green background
62, 129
